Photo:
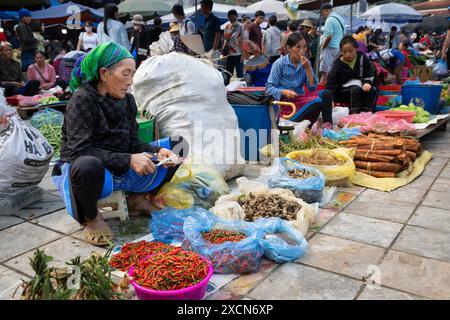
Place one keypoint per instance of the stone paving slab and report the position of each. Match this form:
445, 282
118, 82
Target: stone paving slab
417, 275
61, 250
405, 194
22, 238
341, 256
9, 221
340, 200
441, 184
10, 281
242, 285
445, 173
421, 182
386, 294
59, 221
437, 199
391, 210
424, 242
431, 218
47, 184
434, 167
363, 229
49, 203
293, 281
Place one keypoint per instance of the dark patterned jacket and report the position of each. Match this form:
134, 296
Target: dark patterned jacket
103, 127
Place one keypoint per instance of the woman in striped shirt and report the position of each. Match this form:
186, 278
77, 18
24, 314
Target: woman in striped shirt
288, 78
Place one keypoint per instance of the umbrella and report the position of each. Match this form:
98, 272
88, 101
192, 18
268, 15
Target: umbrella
392, 12
429, 24
316, 4
144, 7
280, 10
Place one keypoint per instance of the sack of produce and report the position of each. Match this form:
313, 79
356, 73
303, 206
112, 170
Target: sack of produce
24, 154
232, 246
281, 242
192, 185
49, 121
167, 225
191, 102
305, 182
336, 164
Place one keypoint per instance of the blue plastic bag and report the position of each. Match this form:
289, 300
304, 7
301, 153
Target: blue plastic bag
440, 70
229, 257
342, 134
309, 190
47, 116
276, 248
167, 224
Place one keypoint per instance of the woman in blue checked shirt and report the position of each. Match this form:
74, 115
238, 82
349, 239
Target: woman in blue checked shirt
288, 77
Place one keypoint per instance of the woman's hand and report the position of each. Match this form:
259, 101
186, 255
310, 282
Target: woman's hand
305, 62
142, 164
366, 87
290, 94
165, 153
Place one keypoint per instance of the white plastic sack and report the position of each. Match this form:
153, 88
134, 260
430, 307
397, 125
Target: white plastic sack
24, 154
163, 45
188, 98
227, 206
339, 113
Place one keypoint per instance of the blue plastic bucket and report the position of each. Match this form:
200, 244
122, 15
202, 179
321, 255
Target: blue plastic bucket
426, 95
382, 108
256, 117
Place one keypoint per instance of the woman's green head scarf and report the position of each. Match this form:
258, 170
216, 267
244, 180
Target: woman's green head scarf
103, 56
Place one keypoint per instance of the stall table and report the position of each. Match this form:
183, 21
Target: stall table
440, 125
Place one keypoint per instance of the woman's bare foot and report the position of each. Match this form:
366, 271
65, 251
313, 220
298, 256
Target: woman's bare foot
140, 204
97, 232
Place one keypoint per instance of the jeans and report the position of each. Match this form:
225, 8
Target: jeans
234, 62
359, 100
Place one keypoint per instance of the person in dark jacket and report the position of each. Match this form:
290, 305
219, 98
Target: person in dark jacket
26, 38
351, 78
140, 40
100, 151
156, 31
11, 76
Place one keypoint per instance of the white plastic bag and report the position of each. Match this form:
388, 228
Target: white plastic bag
235, 85
188, 98
246, 186
163, 46
24, 153
339, 113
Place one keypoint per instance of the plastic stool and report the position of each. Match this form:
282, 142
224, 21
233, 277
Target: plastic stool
118, 203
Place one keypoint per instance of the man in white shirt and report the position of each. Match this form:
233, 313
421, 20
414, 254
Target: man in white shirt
187, 27
272, 40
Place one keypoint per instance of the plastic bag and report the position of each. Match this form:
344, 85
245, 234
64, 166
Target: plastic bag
167, 225
309, 190
229, 208
230, 257
281, 242
24, 155
46, 117
192, 185
440, 70
336, 175
339, 113
12, 203
191, 102
246, 186
342, 134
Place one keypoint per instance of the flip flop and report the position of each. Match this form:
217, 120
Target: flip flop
98, 238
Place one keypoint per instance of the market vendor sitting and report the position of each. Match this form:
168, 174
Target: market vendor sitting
42, 72
100, 151
257, 67
288, 77
351, 78
394, 61
11, 76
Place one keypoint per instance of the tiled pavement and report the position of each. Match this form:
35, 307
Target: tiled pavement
365, 244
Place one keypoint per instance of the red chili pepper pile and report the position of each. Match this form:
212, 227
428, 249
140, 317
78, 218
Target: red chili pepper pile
171, 270
218, 236
132, 253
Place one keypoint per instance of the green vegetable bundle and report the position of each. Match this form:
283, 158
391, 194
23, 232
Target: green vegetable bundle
422, 116
53, 134
48, 100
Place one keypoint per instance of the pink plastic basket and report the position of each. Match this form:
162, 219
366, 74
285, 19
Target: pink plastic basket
196, 292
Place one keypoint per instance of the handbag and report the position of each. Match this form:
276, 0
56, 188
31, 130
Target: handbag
226, 46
